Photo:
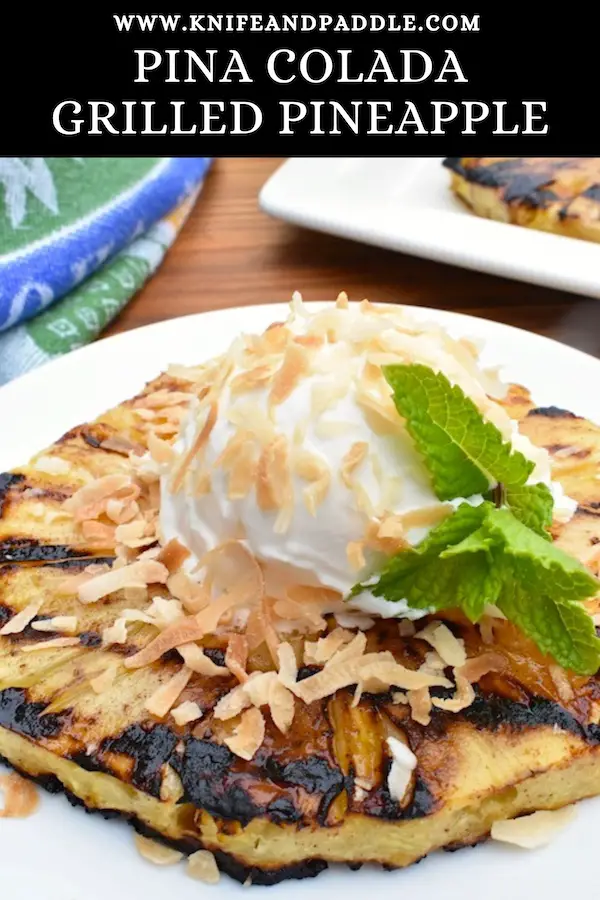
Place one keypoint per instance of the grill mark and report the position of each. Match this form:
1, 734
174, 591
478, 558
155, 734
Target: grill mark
78, 563
30, 550
215, 655
525, 188
149, 749
7, 481
90, 439
492, 712
206, 773
552, 412
90, 639
226, 862
19, 714
592, 193
266, 877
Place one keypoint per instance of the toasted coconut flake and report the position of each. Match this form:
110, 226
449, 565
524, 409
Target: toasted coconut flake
243, 471
20, 797
137, 574
258, 686
163, 399
428, 516
53, 644
342, 300
319, 652
161, 451
186, 712
486, 629
196, 659
157, 853
171, 788
298, 616
376, 670
191, 595
121, 511
105, 679
404, 763
316, 492
173, 555
475, 668
406, 628
248, 735
232, 704
352, 460
420, 705
274, 483
236, 656
296, 364
308, 465
131, 534
96, 491
463, 696
118, 443
196, 448
98, 532
52, 465
313, 341
352, 619
282, 705
288, 666
164, 612
64, 624
115, 633
182, 632
252, 378
163, 699
535, 830
352, 650
362, 500
72, 583
21, 620
561, 682
355, 551
202, 866
228, 456
380, 673
450, 648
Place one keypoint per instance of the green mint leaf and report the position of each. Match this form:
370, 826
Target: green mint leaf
562, 629
468, 580
541, 566
532, 505
425, 580
482, 555
464, 453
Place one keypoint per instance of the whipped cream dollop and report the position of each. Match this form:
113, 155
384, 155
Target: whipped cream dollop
294, 447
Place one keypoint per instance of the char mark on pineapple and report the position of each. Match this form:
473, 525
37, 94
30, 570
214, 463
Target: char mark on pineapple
8, 480
26, 550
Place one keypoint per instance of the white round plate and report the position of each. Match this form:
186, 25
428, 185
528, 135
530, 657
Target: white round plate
62, 854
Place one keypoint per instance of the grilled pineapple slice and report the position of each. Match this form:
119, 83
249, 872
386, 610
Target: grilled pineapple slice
557, 194
318, 794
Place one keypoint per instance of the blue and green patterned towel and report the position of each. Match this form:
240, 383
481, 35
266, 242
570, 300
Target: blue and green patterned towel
78, 237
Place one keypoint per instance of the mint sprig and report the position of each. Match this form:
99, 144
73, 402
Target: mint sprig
498, 552
465, 454
500, 561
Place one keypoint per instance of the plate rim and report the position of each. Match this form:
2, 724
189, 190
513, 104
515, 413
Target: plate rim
99, 350
122, 338
319, 217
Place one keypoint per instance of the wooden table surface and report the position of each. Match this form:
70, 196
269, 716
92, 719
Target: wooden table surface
230, 254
